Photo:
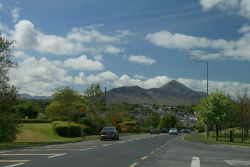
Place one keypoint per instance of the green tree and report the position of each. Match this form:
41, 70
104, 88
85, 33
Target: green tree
9, 120
214, 110
65, 103
168, 121
95, 101
28, 109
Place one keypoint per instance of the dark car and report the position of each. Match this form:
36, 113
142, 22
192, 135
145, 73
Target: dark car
154, 131
109, 133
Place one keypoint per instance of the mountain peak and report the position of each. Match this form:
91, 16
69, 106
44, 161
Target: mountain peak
174, 84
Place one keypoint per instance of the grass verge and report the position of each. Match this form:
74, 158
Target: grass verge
201, 137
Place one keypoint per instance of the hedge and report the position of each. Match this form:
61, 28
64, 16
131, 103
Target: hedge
35, 121
66, 129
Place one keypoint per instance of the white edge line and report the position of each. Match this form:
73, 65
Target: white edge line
56, 155
14, 165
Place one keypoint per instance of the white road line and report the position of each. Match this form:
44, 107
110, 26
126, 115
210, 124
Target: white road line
143, 158
157, 149
86, 149
130, 140
152, 152
134, 164
162, 146
137, 138
56, 155
4, 152
14, 165
121, 142
237, 162
105, 145
195, 162
13, 161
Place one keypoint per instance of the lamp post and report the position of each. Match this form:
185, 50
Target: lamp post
202, 61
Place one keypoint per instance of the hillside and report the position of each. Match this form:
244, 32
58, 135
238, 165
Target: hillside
172, 93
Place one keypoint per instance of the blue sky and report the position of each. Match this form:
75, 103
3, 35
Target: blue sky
124, 43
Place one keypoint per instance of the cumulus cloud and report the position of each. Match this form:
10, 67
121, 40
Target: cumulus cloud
141, 59
112, 50
85, 35
198, 46
83, 63
39, 76
15, 14
167, 39
242, 7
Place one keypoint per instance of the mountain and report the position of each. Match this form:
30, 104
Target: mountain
29, 97
172, 93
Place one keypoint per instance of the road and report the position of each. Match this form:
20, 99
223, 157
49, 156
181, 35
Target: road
131, 151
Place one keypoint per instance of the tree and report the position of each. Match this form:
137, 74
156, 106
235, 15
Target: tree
168, 121
9, 120
95, 101
214, 110
65, 103
28, 109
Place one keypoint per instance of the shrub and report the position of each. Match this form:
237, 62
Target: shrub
35, 121
66, 129
129, 127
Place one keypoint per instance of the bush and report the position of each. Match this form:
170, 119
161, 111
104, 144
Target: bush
129, 127
35, 121
66, 129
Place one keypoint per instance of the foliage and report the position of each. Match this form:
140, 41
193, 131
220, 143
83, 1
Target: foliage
28, 109
129, 127
66, 102
35, 121
214, 109
9, 120
168, 121
62, 129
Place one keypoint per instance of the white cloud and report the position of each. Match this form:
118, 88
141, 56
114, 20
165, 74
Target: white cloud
15, 14
1, 6
39, 76
113, 50
198, 46
20, 54
241, 6
141, 59
83, 63
123, 33
167, 39
85, 35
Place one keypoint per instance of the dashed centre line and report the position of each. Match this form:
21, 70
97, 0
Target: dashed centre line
86, 149
152, 152
195, 162
105, 145
134, 164
143, 158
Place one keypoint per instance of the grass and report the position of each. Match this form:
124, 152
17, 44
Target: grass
202, 137
36, 134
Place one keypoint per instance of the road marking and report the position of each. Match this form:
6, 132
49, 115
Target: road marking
121, 142
195, 162
152, 152
162, 146
237, 162
134, 164
137, 138
14, 165
105, 145
13, 161
157, 149
57, 155
29, 154
130, 140
67, 149
143, 158
4, 152
86, 149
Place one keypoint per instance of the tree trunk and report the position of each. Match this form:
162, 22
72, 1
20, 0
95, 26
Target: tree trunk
217, 131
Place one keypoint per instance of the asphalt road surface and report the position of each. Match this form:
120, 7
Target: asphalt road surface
146, 150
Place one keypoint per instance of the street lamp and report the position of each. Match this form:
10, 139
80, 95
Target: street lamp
201, 61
